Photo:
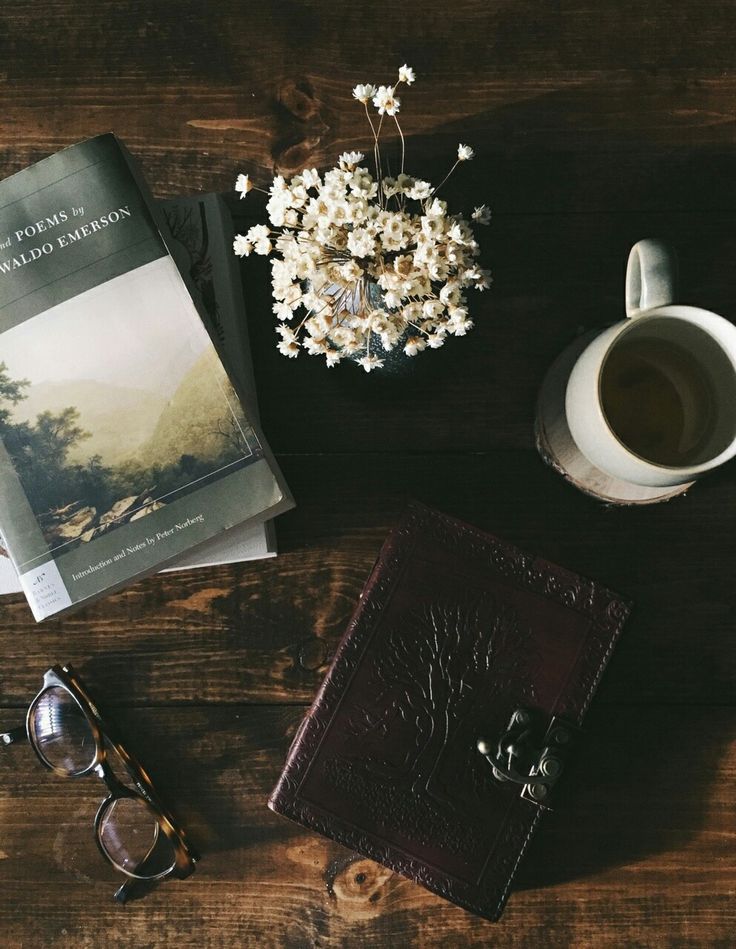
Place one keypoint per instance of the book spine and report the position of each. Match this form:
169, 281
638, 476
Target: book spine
234, 316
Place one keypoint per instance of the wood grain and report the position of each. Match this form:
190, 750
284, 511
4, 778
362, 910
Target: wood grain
569, 108
594, 126
264, 632
264, 881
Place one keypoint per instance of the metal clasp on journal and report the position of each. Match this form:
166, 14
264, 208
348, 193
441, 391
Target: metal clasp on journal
530, 754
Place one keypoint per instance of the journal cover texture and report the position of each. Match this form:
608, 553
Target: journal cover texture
454, 631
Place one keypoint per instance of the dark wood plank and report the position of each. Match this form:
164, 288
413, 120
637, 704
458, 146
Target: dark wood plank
668, 799
569, 107
264, 632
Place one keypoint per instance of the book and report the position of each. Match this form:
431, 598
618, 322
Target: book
199, 236
455, 633
123, 441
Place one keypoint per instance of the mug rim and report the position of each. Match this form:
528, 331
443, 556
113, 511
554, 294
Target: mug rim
683, 312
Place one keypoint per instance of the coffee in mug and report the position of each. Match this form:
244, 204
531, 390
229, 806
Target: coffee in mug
658, 400
636, 412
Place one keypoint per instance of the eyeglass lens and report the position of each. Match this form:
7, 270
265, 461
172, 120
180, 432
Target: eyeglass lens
61, 732
130, 835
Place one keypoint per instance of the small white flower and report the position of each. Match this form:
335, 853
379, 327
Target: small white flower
297, 194
257, 232
282, 311
385, 101
404, 264
360, 207
414, 345
243, 184
351, 272
315, 347
332, 358
286, 333
436, 339
406, 74
392, 299
263, 247
293, 296
242, 246
361, 183
348, 160
404, 183
360, 243
484, 280
436, 208
392, 237
458, 314
318, 326
460, 233
433, 227
464, 153
310, 178
364, 92
338, 212
288, 348
460, 328
370, 362
432, 308
420, 190
482, 215
450, 294
389, 186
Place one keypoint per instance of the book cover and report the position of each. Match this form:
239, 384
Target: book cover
124, 443
454, 633
199, 237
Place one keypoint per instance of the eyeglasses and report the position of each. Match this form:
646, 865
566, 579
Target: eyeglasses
133, 829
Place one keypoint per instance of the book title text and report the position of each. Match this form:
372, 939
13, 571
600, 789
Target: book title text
33, 244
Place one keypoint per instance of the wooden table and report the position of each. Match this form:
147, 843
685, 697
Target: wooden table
594, 125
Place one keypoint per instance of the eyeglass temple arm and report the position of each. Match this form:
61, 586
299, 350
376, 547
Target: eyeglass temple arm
10, 737
133, 889
123, 893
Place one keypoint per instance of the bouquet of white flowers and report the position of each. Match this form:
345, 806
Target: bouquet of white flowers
367, 263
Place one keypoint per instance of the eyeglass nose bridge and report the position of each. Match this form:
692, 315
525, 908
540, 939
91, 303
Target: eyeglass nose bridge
114, 785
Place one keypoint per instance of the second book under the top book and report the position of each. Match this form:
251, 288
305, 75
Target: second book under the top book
124, 443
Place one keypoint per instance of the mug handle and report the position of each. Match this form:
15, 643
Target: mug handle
651, 276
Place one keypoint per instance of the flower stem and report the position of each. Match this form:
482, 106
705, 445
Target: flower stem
378, 157
375, 149
403, 144
435, 190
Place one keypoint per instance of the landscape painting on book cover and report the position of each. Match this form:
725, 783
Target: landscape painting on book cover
114, 404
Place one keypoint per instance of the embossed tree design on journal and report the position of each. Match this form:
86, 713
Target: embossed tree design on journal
431, 665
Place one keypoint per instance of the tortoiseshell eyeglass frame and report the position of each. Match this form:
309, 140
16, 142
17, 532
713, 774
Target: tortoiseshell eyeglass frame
105, 735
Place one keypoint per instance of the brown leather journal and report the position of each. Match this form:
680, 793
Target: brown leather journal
457, 637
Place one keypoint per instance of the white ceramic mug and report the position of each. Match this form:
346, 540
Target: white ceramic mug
650, 289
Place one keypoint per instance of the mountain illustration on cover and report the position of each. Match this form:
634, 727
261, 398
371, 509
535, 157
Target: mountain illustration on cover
109, 411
